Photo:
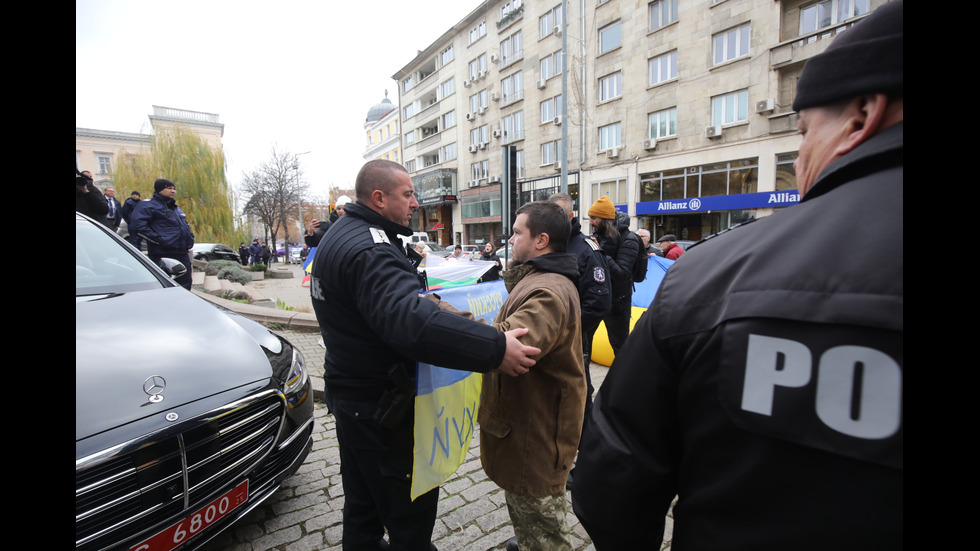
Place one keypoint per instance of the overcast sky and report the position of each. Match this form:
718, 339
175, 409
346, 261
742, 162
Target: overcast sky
299, 75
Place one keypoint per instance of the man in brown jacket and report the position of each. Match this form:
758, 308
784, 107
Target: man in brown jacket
530, 425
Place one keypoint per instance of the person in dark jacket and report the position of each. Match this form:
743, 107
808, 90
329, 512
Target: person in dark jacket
489, 255
594, 285
266, 253
621, 248
127, 212
255, 252
113, 217
243, 253
88, 199
375, 325
764, 386
164, 227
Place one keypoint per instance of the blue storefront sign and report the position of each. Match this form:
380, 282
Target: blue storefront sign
720, 202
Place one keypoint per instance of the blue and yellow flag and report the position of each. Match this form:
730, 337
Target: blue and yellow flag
447, 400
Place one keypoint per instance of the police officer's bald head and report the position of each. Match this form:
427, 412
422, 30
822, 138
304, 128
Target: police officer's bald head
377, 174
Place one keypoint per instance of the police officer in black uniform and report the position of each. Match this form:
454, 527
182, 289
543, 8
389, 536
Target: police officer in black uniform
594, 285
763, 387
375, 326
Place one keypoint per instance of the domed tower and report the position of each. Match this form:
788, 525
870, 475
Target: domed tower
381, 128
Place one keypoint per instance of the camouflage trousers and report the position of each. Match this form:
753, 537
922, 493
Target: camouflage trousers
540, 524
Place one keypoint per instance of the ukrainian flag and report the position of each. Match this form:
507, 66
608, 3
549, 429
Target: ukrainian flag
447, 400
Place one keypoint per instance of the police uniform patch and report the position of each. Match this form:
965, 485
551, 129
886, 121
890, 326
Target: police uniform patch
379, 236
599, 274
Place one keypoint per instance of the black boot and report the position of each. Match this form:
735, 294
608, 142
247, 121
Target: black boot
512, 545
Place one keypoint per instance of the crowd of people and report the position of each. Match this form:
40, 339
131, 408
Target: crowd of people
761, 390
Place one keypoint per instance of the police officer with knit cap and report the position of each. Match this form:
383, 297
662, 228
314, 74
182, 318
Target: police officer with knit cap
621, 248
164, 227
763, 387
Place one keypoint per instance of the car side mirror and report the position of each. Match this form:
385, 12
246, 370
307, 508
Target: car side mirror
173, 268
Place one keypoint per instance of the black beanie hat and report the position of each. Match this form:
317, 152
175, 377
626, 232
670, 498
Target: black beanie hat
866, 58
162, 184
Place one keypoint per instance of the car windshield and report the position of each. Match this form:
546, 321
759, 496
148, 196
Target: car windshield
201, 247
103, 265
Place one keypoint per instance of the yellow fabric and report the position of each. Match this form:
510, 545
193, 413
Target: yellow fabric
602, 353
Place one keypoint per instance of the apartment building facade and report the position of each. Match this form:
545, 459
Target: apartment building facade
678, 110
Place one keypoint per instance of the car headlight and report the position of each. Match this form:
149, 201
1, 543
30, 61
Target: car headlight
296, 377
289, 367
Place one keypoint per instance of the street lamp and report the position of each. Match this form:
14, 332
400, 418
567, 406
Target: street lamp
299, 193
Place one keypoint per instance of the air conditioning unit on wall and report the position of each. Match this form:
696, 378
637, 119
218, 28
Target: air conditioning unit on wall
765, 106
649, 144
713, 132
613, 152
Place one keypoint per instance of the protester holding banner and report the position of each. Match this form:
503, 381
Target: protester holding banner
530, 425
375, 326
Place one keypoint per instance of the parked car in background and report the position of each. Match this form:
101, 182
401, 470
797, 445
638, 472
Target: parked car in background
684, 244
436, 249
214, 251
191, 417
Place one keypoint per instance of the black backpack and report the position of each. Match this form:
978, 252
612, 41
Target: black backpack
640, 266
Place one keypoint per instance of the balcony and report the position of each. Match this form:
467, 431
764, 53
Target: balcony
801, 48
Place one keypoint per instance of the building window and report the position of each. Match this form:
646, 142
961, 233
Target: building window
662, 13
610, 37
520, 163
513, 127
509, 7
512, 88
447, 88
410, 165
611, 86
479, 100
446, 56
551, 65
731, 44
105, 163
449, 119
478, 32
412, 108
663, 68
614, 189
730, 108
549, 21
724, 178
511, 49
408, 84
550, 108
663, 124
827, 13
409, 138
549, 152
481, 205
610, 136
480, 170
478, 67
480, 135
785, 171
449, 152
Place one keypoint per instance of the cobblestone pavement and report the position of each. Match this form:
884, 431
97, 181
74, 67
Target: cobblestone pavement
306, 513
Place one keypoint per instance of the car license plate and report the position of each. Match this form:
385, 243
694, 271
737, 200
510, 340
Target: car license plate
193, 524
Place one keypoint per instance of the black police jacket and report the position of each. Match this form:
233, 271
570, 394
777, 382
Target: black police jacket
366, 297
763, 387
594, 281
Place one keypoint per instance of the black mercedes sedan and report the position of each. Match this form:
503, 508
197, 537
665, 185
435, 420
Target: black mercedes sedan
214, 251
187, 416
